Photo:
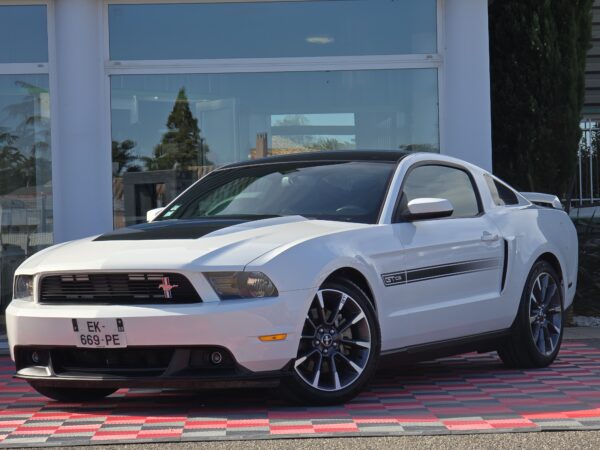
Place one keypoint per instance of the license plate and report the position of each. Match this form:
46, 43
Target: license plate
99, 333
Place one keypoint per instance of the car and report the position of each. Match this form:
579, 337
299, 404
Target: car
304, 272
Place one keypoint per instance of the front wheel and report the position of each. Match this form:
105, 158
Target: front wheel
72, 395
338, 349
538, 330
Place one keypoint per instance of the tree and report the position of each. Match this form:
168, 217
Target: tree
181, 145
538, 50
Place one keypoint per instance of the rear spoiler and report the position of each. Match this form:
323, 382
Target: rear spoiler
545, 200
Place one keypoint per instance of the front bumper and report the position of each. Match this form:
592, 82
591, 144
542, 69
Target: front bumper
234, 326
158, 367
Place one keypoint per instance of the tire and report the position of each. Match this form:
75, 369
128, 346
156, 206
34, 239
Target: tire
72, 395
537, 332
339, 347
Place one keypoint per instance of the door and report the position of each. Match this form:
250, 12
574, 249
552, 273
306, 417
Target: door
445, 273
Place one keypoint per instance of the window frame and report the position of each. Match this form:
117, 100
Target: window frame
495, 181
41, 68
283, 64
396, 214
271, 65
47, 68
33, 68
429, 59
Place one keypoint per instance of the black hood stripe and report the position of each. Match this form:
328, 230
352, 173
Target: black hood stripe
176, 229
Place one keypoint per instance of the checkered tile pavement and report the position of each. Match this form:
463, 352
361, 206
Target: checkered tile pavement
469, 393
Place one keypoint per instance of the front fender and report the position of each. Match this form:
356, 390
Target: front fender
308, 264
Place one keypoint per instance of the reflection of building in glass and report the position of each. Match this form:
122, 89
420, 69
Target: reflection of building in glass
143, 191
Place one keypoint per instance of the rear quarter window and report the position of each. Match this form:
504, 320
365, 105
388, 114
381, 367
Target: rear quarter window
501, 193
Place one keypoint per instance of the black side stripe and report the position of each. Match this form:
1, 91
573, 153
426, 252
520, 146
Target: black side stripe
441, 271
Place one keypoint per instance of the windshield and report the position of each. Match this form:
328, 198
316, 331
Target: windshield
343, 191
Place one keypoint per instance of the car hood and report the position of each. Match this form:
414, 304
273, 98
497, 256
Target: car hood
182, 245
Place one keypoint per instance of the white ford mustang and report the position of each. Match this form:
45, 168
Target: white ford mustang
302, 271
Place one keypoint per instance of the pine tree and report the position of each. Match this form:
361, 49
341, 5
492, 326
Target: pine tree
181, 146
537, 51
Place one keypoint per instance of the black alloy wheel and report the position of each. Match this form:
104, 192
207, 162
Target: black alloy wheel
339, 346
538, 329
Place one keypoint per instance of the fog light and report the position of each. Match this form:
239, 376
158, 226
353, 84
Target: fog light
216, 358
35, 357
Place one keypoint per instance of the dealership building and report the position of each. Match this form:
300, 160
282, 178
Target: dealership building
109, 108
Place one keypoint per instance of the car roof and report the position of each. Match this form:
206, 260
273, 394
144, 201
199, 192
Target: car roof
391, 156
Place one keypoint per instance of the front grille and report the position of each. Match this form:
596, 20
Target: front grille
118, 289
124, 362
191, 362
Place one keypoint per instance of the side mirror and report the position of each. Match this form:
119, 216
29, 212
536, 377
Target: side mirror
427, 208
151, 215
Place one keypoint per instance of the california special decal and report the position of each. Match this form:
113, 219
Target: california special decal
394, 278
441, 271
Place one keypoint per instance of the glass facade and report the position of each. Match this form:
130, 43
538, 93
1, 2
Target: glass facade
23, 34
25, 172
272, 29
26, 219
170, 127
168, 130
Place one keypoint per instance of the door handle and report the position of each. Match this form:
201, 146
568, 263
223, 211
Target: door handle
489, 237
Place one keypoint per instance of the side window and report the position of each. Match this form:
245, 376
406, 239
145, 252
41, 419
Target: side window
501, 193
441, 182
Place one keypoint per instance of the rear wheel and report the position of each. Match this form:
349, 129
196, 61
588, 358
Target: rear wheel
72, 395
538, 330
339, 346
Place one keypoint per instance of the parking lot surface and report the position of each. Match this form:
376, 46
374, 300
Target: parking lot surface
496, 441
471, 393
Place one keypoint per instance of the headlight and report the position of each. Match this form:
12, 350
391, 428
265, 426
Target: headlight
233, 285
23, 287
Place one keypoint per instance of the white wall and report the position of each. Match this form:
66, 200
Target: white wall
465, 105
81, 157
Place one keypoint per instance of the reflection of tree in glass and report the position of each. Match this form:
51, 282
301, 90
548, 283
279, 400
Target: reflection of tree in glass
292, 120
25, 150
182, 145
11, 159
418, 148
123, 156
330, 144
